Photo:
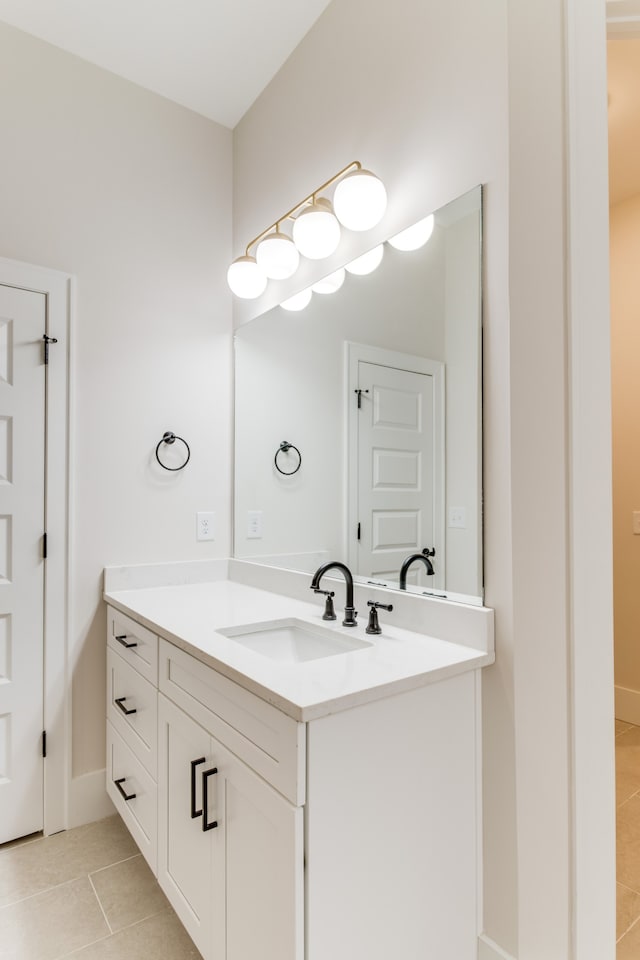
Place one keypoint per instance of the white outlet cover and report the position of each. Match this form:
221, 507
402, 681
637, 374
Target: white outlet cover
205, 525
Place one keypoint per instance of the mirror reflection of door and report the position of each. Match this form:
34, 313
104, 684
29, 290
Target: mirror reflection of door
396, 461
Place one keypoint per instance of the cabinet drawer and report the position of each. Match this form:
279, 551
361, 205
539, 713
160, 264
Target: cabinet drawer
137, 645
139, 812
259, 734
133, 710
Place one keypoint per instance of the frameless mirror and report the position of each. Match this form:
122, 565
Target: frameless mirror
358, 421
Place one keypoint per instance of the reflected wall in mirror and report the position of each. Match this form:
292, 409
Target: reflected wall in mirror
378, 386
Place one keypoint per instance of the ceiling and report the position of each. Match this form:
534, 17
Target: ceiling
212, 56
216, 56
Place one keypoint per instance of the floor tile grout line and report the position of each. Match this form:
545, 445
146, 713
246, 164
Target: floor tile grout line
95, 893
629, 928
63, 956
54, 886
116, 864
74, 953
39, 893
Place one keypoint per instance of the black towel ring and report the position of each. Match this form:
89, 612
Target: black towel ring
170, 437
284, 448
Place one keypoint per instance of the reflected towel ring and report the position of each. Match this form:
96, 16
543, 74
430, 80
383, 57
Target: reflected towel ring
169, 437
284, 448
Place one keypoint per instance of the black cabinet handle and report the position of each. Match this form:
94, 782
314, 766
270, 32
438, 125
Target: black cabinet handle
119, 701
123, 640
205, 800
123, 792
194, 763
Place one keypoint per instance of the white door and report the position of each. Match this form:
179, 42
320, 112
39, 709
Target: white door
396, 473
22, 489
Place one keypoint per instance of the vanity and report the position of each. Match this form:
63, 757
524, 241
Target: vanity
301, 790
304, 790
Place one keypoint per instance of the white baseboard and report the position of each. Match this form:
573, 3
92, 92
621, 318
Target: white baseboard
88, 800
628, 705
488, 950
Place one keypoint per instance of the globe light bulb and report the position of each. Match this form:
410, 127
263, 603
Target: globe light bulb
298, 301
277, 256
367, 263
360, 200
316, 232
246, 279
331, 283
414, 236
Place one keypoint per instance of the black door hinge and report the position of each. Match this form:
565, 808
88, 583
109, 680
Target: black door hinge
47, 340
44, 546
44, 743
358, 531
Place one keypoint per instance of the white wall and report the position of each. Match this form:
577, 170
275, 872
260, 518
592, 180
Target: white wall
436, 98
131, 194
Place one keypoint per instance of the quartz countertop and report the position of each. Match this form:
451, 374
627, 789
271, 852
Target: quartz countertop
190, 615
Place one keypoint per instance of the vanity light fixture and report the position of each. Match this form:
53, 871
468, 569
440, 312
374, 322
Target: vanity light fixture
414, 236
360, 202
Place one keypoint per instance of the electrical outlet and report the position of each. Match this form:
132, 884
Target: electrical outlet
205, 526
254, 524
636, 522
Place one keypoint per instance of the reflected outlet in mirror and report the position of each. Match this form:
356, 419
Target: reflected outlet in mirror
378, 386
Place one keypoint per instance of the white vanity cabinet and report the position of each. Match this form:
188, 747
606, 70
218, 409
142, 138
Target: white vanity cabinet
132, 668
230, 848
351, 835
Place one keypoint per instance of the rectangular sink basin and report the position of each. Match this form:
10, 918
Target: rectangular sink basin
293, 641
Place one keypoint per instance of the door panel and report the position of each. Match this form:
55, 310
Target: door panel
264, 857
22, 472
186, 854
396, 469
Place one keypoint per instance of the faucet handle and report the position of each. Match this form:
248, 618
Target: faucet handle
374, 626
329, 612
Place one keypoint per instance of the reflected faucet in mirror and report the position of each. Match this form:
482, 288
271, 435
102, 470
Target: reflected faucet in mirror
349, 613
424, 558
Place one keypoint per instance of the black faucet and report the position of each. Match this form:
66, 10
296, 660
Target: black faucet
424, 557
349, 613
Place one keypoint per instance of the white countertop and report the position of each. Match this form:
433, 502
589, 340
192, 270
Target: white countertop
191, 614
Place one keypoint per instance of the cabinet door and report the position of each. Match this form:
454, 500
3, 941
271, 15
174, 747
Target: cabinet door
189, 858
263, 835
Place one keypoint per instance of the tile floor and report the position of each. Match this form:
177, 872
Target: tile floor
628, 840
85, 894
88, 894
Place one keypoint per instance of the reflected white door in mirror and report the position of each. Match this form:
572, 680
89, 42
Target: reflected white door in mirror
395, 464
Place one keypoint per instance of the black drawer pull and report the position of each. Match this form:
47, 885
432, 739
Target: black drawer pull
123, 640
119, 701
205, 800
194, 763
123, 792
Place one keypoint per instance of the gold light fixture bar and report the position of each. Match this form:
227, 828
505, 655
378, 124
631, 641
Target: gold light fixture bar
359, 202
355, 164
